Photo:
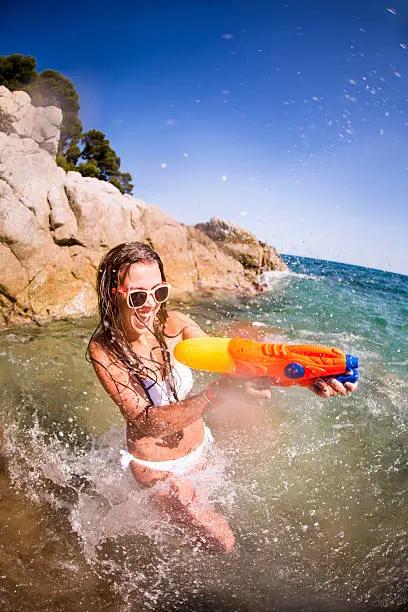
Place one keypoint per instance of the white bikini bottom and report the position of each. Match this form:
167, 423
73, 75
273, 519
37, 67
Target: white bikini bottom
179, 466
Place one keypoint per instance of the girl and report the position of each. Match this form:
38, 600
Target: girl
131, 351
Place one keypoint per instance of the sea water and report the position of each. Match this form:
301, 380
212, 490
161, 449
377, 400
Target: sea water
316, 490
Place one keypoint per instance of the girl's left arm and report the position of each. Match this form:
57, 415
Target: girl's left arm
181, 325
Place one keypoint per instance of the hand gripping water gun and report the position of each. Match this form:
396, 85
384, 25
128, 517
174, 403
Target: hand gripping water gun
285, 364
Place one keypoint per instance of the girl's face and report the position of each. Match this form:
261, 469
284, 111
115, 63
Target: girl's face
140, 276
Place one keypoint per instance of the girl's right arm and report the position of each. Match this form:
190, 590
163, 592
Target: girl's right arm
157, 421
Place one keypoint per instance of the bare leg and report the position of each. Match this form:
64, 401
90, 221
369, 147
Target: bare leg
179, 500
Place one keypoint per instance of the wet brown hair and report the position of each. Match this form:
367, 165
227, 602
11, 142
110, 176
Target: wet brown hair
110, 332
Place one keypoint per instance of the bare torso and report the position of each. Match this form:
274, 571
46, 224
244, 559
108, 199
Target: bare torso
168, 446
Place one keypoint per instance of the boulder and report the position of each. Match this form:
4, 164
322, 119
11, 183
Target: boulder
104, 217
254, 255
19, 117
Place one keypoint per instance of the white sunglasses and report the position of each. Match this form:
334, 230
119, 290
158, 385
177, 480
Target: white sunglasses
136, 298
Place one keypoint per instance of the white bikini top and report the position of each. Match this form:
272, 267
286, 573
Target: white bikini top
160, 391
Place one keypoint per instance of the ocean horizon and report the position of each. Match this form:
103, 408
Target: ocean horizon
291, 257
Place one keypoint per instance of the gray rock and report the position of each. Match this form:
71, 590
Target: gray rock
26, 121
254, 255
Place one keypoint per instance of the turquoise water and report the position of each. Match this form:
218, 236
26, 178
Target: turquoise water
315, 490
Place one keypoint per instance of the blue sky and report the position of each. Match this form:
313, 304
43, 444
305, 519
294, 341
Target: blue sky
287, 118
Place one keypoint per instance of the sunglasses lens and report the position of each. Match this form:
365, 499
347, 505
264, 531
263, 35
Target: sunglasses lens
161, 294
137, 298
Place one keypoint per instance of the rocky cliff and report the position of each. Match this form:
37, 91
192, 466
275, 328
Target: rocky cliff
55, 227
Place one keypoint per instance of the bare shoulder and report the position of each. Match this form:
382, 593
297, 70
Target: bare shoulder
106, 366
182, 326
97, 350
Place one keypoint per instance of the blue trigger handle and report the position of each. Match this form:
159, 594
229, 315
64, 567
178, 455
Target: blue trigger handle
350, 376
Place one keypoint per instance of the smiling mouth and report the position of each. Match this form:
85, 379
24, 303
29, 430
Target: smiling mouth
143, 317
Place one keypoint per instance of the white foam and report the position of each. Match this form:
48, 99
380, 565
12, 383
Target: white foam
269, 280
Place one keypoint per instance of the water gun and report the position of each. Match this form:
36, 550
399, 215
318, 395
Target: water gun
285, 364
